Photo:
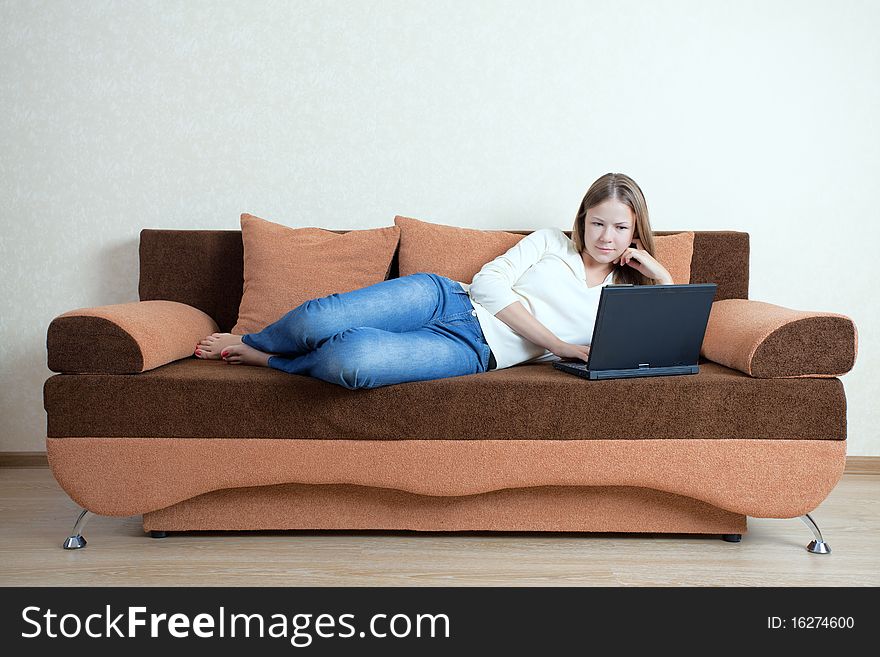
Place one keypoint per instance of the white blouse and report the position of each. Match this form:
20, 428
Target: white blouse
546, 273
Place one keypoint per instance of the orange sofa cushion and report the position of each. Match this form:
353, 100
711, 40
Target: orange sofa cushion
675, 253
284, 267
768, 341
459, 253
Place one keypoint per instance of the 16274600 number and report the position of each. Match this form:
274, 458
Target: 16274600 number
811, 623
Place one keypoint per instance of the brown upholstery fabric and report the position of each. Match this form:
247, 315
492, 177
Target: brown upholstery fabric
284, 267
722, 257
541, 508
204, 268
201, 268
759, 478
539, 402
765, 340
125, 338
91, 344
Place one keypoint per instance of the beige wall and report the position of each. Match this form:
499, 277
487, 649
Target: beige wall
115, 116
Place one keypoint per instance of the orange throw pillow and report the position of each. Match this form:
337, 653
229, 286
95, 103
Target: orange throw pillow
675, 253
459, 253
284, 267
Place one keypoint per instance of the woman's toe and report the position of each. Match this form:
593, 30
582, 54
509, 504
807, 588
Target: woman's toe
206, 352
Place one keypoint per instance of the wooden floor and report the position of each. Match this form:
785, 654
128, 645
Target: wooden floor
36, 516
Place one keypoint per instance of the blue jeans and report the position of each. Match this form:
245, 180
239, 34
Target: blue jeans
412, 328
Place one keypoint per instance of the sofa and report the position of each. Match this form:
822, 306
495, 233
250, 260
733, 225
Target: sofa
136, 425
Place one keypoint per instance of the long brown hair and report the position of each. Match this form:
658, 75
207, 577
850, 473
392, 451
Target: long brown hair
621, 188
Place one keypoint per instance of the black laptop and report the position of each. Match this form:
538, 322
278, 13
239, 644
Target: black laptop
646, 330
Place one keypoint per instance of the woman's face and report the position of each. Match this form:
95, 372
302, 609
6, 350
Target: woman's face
608, 230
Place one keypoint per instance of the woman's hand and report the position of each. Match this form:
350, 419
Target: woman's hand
644, 263
570, 351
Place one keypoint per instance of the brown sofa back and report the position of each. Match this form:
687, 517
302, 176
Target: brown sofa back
203, 268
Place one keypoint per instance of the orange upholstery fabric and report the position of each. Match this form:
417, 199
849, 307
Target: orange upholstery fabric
126, 476
764, 340
540, 508
284, 267
675, 253
459, 253
125, 338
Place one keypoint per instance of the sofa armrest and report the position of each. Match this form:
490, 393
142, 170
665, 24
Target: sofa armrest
125, 338
767, 341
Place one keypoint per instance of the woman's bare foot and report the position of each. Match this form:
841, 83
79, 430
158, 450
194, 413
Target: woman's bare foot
241, 354
212, 346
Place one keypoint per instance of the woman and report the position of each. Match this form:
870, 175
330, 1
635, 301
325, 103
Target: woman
426, 326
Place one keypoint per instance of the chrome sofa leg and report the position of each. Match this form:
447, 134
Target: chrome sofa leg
818, 546
76, 541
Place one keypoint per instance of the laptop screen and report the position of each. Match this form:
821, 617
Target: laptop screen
650, 326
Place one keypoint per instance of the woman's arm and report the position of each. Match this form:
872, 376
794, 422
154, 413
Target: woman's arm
527, 325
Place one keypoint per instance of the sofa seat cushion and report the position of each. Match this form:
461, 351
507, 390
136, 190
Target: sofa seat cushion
212, 399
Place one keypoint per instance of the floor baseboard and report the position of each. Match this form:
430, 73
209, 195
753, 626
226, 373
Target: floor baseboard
869, 465
23, 460
863, 465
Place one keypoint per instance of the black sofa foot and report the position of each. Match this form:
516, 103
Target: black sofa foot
731, 538
157, 534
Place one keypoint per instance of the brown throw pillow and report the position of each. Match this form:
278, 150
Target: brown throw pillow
284, 267
459, 253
